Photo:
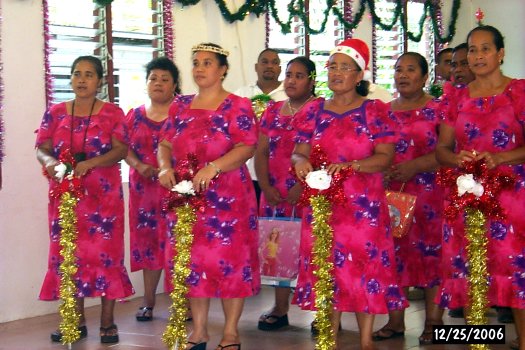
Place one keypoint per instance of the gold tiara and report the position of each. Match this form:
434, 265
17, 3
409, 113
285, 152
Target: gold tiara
210, 48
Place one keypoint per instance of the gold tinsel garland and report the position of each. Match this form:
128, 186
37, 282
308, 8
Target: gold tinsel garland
477, 242
68, 268
324, 287
175, 334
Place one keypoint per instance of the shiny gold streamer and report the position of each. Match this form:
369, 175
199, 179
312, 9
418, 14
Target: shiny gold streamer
68, 268
324, 287
175, 334
477, 242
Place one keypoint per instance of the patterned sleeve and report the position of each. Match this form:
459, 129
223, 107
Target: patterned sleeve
305, 121
517, 93
268, 117
113, 122
242, 127
448, 106
48, 124
383, 127
168, 129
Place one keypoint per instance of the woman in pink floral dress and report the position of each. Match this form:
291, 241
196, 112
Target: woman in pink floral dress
418, 253
485, 120
280, 189
93, 130
219, 128
146, 220
353, 132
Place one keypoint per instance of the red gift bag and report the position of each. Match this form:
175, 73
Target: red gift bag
401, 207
279, 249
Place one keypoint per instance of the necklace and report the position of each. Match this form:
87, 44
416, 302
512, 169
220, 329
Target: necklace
80, 156
297, 109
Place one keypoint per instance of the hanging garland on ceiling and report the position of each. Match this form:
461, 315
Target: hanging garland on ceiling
297, 8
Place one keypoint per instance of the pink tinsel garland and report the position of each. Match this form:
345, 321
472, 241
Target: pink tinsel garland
167, 16
47, 51
1, 96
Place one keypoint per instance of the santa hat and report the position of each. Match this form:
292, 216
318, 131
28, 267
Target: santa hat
357, 50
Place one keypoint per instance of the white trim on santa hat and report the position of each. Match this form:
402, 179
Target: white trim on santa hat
352, 53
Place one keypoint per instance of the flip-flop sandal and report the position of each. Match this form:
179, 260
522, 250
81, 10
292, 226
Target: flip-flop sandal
221, 347
144, 314
280, 321
391, 334
112, 337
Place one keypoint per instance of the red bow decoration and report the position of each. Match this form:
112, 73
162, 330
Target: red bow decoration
335, 193
185, 170
69, 182
493, 181
479, 15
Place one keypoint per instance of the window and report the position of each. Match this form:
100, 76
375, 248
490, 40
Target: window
389, 45
125, 36
299, 42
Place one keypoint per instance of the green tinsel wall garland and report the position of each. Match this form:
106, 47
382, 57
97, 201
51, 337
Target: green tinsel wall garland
296, 8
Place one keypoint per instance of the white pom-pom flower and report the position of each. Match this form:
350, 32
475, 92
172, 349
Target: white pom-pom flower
60, 171
184, 187
319, 179
467, 184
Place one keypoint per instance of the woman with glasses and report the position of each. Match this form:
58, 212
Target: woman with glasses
354, 133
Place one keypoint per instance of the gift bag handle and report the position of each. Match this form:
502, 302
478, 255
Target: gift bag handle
402, 187
292, 217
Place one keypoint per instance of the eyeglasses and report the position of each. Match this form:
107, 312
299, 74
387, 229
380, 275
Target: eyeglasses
342, 69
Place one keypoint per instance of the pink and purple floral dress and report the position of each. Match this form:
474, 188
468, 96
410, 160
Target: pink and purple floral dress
418, 253
493, 124
100, 212
224, 260
363, 251
146, 219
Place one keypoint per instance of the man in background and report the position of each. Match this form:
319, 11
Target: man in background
460, 71
268, 69
443, 65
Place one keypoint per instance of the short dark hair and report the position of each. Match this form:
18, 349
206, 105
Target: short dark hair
496, 35
308, 64
164, 63
267, 50
441, 53
421, 61
462, 46
95, 61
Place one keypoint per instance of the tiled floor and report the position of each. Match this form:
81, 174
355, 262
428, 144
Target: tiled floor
34, 333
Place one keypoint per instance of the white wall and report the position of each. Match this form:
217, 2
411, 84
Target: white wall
23, 199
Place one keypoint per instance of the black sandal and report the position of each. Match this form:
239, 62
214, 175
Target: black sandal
56, 336
278, 322
222, 347
144, 314
112, 337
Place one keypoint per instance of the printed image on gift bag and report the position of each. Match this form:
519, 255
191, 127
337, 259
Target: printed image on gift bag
401, 207
279, 247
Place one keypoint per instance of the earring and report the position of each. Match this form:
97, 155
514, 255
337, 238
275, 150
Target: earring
358, 84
